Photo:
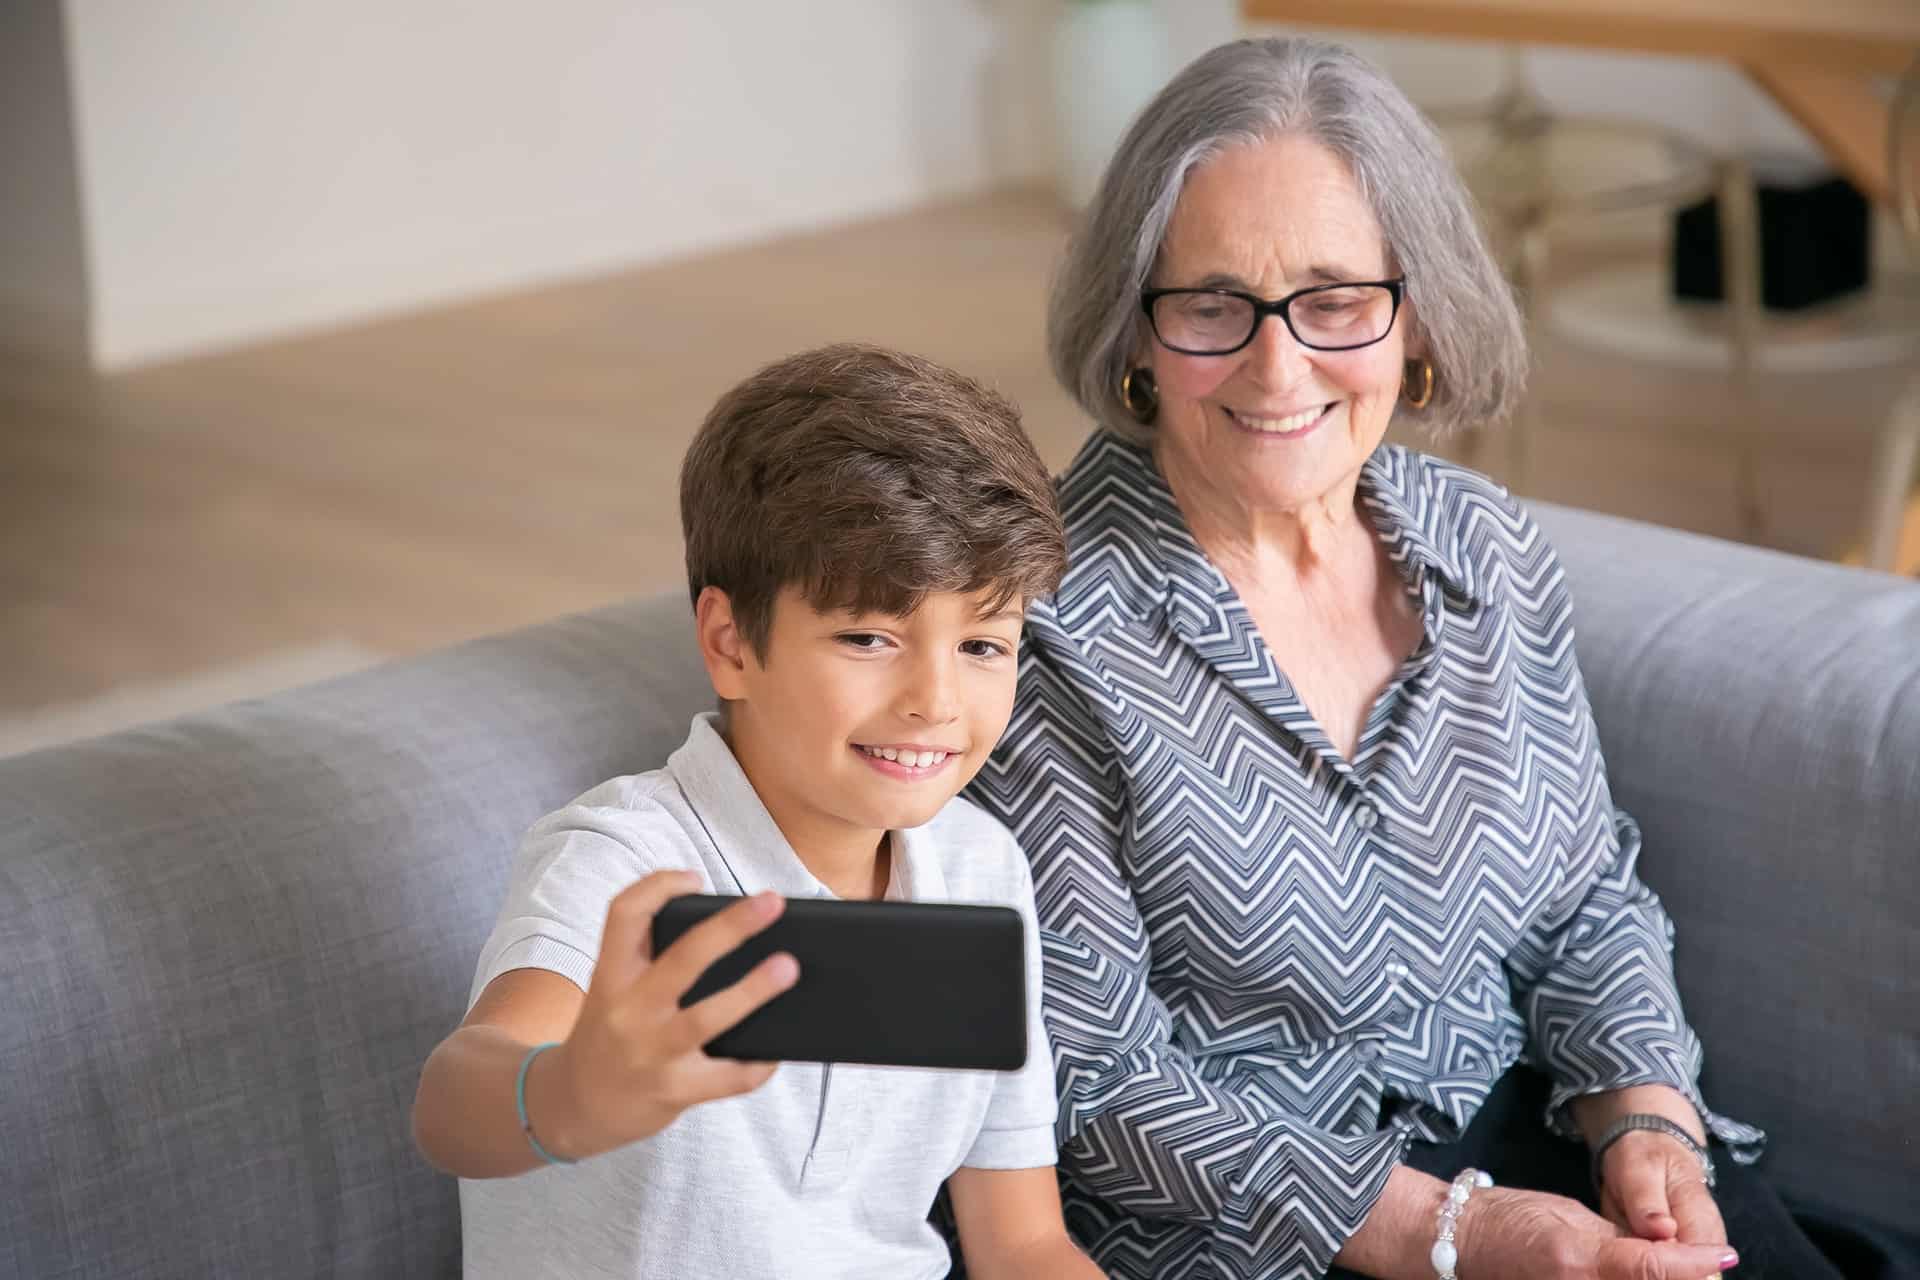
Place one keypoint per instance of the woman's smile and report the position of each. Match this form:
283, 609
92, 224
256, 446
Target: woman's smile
1283, 426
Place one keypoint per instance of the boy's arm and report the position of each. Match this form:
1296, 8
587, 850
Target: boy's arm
628, 1057
1010, 1225
464, 1118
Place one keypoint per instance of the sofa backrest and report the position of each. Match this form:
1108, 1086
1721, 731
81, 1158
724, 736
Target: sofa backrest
231, 940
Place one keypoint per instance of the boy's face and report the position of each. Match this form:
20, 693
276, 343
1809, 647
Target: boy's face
851, 725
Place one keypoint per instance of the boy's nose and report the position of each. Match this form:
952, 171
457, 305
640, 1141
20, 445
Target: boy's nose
933, 695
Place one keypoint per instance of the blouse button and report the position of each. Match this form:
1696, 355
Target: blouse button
1366, 1051
1367, 817
1397, 971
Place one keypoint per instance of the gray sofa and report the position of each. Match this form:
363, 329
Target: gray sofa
230, 940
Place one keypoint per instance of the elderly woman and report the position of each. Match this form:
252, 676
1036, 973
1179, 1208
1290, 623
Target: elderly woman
1319, 824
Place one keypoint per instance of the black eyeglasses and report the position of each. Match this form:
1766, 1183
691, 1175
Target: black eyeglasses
1218, 322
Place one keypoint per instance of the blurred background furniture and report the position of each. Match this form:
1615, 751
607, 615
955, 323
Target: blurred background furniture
1534, 172
1881, 326
1899, 447
233, 938
1816, 61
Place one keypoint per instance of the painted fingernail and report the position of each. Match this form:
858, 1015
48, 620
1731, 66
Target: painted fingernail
1729, 1260
784, 969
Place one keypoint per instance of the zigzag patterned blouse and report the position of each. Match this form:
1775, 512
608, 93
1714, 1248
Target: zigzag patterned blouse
1269, 968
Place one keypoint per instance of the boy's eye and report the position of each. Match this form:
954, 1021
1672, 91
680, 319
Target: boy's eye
983, 648
862, 640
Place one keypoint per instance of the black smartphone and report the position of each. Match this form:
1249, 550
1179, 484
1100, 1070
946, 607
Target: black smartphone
903, 984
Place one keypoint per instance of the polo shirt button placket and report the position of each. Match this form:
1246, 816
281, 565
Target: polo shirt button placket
825, 1168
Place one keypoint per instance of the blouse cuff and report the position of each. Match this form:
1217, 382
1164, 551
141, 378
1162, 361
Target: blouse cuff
1743, 1142
1300, 1199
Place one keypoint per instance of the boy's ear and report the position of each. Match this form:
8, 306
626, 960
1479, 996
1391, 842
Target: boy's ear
722, 647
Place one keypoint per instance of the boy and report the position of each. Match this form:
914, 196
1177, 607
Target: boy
863, 531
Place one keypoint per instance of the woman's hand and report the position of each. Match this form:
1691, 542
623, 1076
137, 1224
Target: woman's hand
1651, 1187
1507, 1234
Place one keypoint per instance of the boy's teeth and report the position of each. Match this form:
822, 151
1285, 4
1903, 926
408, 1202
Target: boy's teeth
912, 759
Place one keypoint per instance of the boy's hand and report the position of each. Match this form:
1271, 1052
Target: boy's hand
633, 1061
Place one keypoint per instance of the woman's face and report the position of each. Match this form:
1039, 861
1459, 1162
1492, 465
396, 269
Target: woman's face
1276, 426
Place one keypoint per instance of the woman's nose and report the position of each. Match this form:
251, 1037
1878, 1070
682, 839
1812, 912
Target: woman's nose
1275, 357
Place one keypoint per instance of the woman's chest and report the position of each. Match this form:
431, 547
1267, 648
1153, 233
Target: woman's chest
1265, 867
1338, 641
1338, 674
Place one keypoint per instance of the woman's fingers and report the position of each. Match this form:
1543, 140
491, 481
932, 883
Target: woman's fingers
1641, 1201
1629, 1259
1637, 1172
1695, 1211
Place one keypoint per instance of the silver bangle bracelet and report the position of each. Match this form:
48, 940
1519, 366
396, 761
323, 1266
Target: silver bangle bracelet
1655, 1124
1446, 1255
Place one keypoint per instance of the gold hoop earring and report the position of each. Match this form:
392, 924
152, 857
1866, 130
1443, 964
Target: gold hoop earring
1417, 373
1140, 394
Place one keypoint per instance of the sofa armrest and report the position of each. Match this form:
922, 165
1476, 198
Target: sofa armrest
1760, 715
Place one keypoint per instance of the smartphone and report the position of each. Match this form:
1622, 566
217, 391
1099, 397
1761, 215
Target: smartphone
903, 984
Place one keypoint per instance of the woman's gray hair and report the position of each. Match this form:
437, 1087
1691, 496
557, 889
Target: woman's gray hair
1246, 92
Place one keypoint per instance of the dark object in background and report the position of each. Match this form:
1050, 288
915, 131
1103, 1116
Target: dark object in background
1814, 239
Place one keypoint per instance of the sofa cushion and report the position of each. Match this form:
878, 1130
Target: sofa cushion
232, 940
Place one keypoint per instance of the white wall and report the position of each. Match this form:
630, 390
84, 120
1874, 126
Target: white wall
251, 170
255, 169
43, 270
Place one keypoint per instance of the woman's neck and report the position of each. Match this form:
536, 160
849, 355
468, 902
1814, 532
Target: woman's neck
1307, 541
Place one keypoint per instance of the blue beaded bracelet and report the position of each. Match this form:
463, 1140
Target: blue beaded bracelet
520, 1100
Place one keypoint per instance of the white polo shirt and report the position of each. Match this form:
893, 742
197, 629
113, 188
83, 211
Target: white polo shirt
824, 1170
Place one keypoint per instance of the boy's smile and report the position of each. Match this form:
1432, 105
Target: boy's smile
909, 763
849, 726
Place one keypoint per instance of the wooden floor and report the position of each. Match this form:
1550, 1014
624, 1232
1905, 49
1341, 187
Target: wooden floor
404, 484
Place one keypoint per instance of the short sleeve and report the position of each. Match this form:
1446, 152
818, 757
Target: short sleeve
1018, 1130
569, 868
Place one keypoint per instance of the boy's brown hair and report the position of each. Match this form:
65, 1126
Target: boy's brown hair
867, 478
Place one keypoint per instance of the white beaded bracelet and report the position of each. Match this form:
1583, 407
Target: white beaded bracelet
1444, 1256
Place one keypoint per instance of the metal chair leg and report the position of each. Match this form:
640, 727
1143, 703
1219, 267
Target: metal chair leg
1739, 213
1740, 265
1891, 483
1529, 276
